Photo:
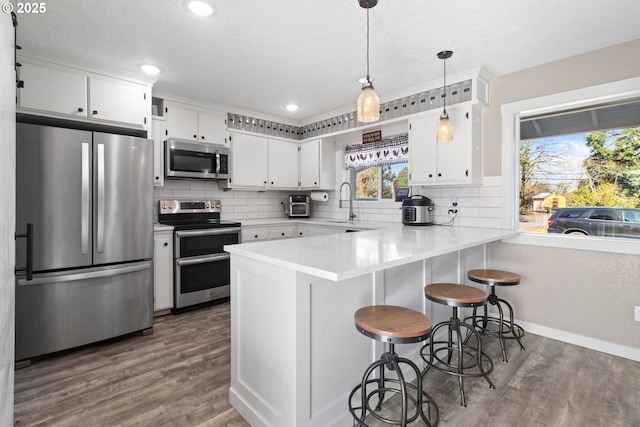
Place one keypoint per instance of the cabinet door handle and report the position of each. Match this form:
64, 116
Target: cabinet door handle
202, 137
95, 112
439, 174
255, 237
80, 110
195, 136
166, 244
430, 175
283, 234
29, 236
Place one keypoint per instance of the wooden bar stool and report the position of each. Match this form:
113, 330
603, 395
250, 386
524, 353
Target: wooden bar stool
491, 326
393, 325
456, 356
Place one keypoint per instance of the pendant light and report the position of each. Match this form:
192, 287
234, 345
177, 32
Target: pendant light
368, 101
444, 132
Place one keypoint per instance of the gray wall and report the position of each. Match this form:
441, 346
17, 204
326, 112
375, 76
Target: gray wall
7, 218
580, 292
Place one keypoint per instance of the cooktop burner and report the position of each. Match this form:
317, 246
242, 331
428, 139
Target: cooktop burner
192, 214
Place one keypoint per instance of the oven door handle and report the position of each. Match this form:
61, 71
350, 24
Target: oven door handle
208, 232
202, 260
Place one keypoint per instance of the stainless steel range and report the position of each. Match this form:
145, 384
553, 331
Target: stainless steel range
201, 269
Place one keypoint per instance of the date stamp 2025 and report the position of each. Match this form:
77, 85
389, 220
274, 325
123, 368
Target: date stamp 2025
26, 8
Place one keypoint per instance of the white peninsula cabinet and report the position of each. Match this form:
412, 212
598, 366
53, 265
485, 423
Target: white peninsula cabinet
456, 162
185, 121
68, 93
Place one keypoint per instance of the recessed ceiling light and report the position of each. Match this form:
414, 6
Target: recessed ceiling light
291, 107
200, 8
152, 70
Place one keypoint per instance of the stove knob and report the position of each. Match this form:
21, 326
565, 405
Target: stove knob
218, 206
171, 205
208, 206
164, 206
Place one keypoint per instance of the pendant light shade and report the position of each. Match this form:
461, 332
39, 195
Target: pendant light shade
444, 130
444, 133
368, 105
368, 108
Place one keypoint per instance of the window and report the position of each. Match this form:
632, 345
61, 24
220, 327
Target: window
380, 182
598, 166
512, 114
379, 169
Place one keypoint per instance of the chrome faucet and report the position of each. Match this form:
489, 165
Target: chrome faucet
351, 214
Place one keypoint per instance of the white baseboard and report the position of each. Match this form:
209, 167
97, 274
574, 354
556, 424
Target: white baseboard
582, 341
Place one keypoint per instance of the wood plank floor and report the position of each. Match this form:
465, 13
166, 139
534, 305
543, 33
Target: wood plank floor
179, 376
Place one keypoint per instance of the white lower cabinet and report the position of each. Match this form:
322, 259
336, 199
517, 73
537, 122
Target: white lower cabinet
280, 232
306, 230
254, 234
163, 270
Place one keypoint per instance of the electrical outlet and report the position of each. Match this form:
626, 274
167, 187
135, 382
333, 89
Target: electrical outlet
637, 314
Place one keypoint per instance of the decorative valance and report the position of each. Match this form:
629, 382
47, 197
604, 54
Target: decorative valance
386, 152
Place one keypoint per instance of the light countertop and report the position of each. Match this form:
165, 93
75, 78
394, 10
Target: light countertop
342, 256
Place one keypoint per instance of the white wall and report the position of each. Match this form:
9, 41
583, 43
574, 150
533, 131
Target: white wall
7, 218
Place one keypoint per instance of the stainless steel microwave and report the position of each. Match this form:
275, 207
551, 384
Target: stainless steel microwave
195, 160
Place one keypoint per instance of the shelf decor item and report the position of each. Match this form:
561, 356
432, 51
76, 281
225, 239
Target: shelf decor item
368, 101
444, 132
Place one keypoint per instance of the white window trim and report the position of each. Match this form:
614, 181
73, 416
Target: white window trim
511, 114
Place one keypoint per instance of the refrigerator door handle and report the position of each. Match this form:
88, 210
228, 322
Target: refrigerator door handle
101, 199
109, 272
29, 236
84, 196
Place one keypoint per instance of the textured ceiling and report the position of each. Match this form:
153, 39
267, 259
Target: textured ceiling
260, 55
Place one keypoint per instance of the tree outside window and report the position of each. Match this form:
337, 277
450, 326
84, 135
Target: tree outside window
380, 182
600, 168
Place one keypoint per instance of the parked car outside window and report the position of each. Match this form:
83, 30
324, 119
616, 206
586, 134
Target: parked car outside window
596, 221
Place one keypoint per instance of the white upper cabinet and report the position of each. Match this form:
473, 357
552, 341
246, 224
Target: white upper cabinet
317, 164
117, 101
157, 131
283, 164
271, 164
188, 122
63, 92
456, 162
249, 161
52, 90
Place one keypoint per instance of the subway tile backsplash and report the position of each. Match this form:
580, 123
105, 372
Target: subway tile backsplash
478, 206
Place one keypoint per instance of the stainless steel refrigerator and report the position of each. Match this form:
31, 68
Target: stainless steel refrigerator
89, 198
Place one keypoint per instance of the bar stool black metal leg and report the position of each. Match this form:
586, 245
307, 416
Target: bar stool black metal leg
513, 327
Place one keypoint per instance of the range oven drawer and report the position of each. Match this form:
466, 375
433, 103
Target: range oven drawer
202, 268
197, 243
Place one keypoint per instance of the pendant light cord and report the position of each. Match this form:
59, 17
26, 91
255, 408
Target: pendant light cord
444, 88
368, 78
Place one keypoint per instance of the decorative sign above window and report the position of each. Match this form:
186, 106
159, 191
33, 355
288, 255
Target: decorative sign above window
369, 137
386, 152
